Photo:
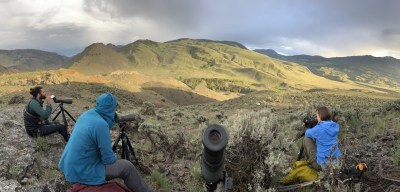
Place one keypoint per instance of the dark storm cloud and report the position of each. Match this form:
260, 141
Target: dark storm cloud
337, 25
322, 27
170, 15
65, 38
340, 26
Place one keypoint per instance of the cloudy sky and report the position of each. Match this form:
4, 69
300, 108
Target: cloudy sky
317, 27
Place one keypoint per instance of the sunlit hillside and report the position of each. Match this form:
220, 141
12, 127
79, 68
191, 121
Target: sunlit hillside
366, 69
188, 60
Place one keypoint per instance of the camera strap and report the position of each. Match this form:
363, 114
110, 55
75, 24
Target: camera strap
39, 119
27, 108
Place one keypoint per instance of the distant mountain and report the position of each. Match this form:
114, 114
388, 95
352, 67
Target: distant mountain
220, 64
382, 71
31, 60
99, 59
270, 53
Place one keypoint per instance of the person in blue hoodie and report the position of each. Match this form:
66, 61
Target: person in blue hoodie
88, 157
320, 140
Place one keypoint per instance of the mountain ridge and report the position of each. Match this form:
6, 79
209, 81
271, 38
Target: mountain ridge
194, 60
98, 58
369, 69
31, 59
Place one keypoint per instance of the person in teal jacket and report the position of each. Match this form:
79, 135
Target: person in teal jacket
88, 157
325, 136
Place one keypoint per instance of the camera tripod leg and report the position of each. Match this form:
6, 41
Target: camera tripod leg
114, 147
124, 152
211, 187
127, 148
62, 112
64, 118
131, 149
55, 117
70, 116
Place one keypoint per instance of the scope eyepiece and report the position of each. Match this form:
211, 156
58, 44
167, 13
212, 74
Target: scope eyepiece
65, 100
215, 140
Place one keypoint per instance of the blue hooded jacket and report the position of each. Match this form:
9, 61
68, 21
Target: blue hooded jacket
89, 147
325, 134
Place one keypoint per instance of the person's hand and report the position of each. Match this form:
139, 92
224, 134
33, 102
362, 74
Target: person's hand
48, 98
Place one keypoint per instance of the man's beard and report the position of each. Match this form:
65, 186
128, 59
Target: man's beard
42, 97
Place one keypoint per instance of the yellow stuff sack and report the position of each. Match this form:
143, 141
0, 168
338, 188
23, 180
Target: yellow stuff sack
301, 172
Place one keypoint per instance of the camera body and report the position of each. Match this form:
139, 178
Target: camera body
309, 122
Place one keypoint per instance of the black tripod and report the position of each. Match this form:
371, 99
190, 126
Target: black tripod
63, 111
127, 148
227, 182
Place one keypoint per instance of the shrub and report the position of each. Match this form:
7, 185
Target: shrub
394, 105
396, 154
219, 84
162, 181
147, 109
17, 99
259, 150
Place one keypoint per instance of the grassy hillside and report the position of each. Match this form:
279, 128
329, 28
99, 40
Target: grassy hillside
98, 59
379, 71
31, 60
137, 88
185, 71
265, 123
187, 59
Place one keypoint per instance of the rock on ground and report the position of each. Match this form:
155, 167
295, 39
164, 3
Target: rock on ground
28, 164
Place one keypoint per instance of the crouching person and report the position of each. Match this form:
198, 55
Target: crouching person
320, 146
321, 141
88, 157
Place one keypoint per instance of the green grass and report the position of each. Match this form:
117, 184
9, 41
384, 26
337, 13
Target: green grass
195, 183
42, 143
396, 154
162, 181
13, 172
50, 174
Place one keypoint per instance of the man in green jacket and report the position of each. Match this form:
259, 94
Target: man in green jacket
36, 119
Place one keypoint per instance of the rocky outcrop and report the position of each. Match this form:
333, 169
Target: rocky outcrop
28, 164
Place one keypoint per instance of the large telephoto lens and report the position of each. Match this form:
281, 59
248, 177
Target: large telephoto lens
215, 140
125, 118
65, 100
